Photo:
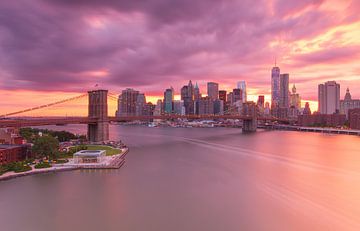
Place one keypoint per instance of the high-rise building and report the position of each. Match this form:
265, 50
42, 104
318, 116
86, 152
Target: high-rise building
158, 110
206, 106
307, 110
219, 107
168, 100
127, 102
187, 95
230, 98
179, 108
329, 97
213, 90
284, 91
140, 104
242, 85
222, 95
295, 99
197, 94
237, 95
267, 108
261, 101
275, 86
348, 103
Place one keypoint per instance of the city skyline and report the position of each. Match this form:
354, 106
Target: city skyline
47, 57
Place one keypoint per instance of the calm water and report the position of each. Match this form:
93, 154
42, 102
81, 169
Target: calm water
179, 179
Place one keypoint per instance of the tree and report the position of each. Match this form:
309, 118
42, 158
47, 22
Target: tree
46, 146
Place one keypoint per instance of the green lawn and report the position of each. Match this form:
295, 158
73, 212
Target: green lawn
109, 150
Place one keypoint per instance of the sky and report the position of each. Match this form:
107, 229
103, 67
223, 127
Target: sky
55, 49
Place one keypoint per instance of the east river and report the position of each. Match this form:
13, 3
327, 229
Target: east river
211, 179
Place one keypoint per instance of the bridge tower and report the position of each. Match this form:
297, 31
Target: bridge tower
250, 123
98, 109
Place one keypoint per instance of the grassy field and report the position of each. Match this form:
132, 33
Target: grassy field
109, 150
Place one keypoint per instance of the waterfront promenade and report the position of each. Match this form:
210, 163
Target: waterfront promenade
111, 162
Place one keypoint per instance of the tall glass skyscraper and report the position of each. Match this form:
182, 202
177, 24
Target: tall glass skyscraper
168, 100
242, 86
275, 86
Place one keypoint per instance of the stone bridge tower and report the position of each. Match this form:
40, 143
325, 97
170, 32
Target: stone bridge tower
98, 109
249, 110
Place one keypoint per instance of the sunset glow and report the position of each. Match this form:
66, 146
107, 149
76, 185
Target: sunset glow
65, 48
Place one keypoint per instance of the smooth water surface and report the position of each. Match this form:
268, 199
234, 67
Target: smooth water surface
178, 179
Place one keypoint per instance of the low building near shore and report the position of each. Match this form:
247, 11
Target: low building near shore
12, 153
332, 120
90, 157
354, 118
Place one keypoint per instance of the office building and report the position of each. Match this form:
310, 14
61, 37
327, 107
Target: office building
219, 107
242, 86
206, 106
140, 104
127, 102
179, 108
168, 100
197, 94
329, 97
348, 103
295, 99
222, 95
284, 91
275, 86
213, 90
237, 95
261, 101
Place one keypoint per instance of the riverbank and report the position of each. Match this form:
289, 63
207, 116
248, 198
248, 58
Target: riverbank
113, 162
313, 129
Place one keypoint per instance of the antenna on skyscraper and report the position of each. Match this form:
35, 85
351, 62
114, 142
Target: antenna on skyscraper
275, 61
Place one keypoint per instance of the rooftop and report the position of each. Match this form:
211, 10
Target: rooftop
92, 153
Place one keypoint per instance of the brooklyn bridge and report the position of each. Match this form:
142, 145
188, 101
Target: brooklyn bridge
98, 119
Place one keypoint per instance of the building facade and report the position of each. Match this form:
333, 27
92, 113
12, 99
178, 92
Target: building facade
275, 86
213, 90
284, 91
242, 86
127, 103
329, 97
348, 103
14, 153
168, 100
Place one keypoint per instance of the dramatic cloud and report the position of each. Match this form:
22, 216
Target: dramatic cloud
70, 45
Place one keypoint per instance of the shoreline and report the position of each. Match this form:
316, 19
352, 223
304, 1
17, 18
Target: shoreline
119, 158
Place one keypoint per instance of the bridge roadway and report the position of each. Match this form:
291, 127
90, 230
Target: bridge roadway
42, 121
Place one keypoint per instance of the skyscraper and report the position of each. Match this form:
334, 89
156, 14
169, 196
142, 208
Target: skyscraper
237, 95
206, 105
275, 86
222, 95
140, 104
213, 90
187, 96
127, 102
329, 97
168, 100
261, 101
284, 91
295, 99
197, 94
242, 86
